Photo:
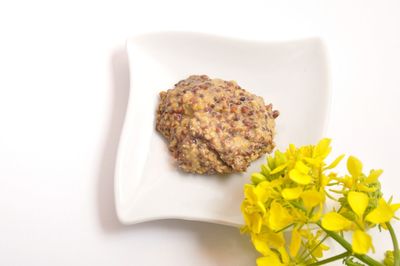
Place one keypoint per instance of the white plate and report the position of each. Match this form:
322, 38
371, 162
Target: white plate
148, 186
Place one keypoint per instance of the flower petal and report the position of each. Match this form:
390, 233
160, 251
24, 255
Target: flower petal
311, 198
275, 240
291, 193
269, 238
358, 202
335, 162
313, 161
364, 188
284, 255
318, 214
395, 207
354, 166
260, 245
262, 191
362, 242
295, 243
249, 193
373, 176
271, 259
279, 216
381, 214
301, 167
324, 180
323, 149
299, 177
253, 221
333, 221
292, 149
318, 251
278, 169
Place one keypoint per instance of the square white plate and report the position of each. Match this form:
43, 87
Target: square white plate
290, 75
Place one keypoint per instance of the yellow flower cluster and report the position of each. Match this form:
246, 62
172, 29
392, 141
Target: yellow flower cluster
290, 193
362, 206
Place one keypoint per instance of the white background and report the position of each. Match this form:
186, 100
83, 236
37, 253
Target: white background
63, 91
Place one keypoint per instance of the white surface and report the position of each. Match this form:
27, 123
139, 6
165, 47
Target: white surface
63, 93
145, 173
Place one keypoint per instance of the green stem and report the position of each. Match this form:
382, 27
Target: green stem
352, 263
304, 250
396, 253
284, 228
295, 204
330, 196
337, 257
364, 258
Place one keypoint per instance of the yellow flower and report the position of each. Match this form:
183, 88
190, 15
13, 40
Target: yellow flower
318, 251
363, 187
358, 181
284, 255
279, 217
324, 180
271, 259
362, 242
323, 148
314, 243
373, 176
354, 166
358, 201
278, 169
333, 221
253, 206
307, 151
253, 221
300, 173
262, 243
335, 162
267, 239
291, 151
312, 198
347, 181
256, 194
291, 193
382, 213
395, 207
276, 161
299, 177
295, 243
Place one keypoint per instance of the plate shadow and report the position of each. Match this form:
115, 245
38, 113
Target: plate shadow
120, 93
